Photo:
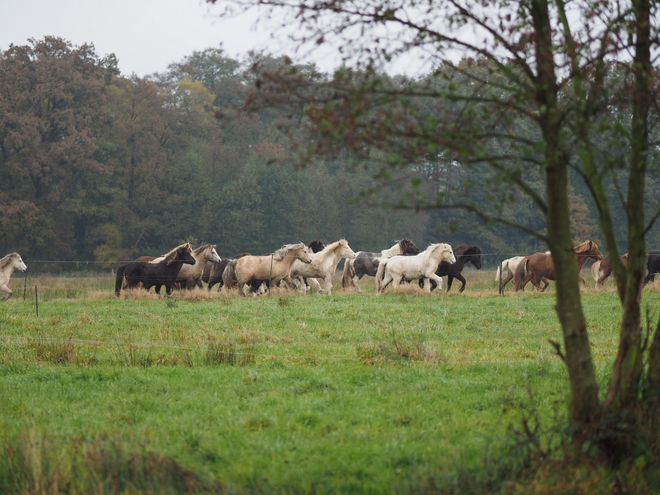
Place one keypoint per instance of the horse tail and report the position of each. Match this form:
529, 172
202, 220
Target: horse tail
229, 277
119, 278
500, 267
380, 274
347, 274
519, 276
595, 271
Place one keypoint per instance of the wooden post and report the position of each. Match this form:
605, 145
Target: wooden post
36, 299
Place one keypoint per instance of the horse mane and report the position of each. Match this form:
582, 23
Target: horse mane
4, 261
335, 245
281, 252
430, 250
406, 244
202, 248
173, 254
583, 247
465, 250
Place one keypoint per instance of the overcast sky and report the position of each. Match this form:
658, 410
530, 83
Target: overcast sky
145, 35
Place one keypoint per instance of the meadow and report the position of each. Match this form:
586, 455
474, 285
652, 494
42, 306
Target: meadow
210, 392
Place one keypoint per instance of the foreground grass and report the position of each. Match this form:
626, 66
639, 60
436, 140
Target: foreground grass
343, 394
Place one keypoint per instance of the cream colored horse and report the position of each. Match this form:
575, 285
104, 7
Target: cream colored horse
323, 265
274, 268
421, 266
8, 264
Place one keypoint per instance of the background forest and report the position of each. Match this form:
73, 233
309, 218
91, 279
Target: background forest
99, 166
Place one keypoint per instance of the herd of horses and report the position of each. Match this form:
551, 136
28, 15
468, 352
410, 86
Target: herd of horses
300, 266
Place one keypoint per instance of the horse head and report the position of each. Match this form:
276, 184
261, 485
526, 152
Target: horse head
408, 247
14, 259
182, 253
588, 249
447, 253
209, 253
474, 253
346, 250
302, 253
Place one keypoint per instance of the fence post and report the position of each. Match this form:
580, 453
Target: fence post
36, 299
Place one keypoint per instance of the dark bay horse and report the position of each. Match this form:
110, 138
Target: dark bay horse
367, 263
464, 255
162, 273
538, 266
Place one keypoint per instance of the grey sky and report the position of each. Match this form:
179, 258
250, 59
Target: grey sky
145, 35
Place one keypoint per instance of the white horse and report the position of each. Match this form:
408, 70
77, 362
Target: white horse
190, 276
8, 264
418, 267
366, 263
510, 265
323, 265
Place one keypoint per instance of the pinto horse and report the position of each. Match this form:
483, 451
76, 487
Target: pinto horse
367, 263
323, 265
154, 274
510, 266
464, 255
274, 268
421, 266
602, 269
8, 265
540, 266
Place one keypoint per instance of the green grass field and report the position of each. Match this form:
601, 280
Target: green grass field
352, 393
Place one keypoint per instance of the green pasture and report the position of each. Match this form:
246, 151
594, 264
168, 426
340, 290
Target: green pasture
351, 393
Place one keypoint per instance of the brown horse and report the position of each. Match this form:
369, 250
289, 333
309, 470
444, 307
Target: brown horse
538, 266
601, 270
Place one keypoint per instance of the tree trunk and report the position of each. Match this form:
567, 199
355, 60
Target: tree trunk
583, 401
627, 371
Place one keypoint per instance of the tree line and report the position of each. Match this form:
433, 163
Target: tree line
99, 166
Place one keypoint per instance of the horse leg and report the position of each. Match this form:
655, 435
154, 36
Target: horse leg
438, 280
319, 288
536, 282
450, 279
6, 289
355, 283
528, 278
386, 281
316, 284
506, 280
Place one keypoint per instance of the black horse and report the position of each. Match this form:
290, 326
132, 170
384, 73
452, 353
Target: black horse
652, 266
464, 255
154, 274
